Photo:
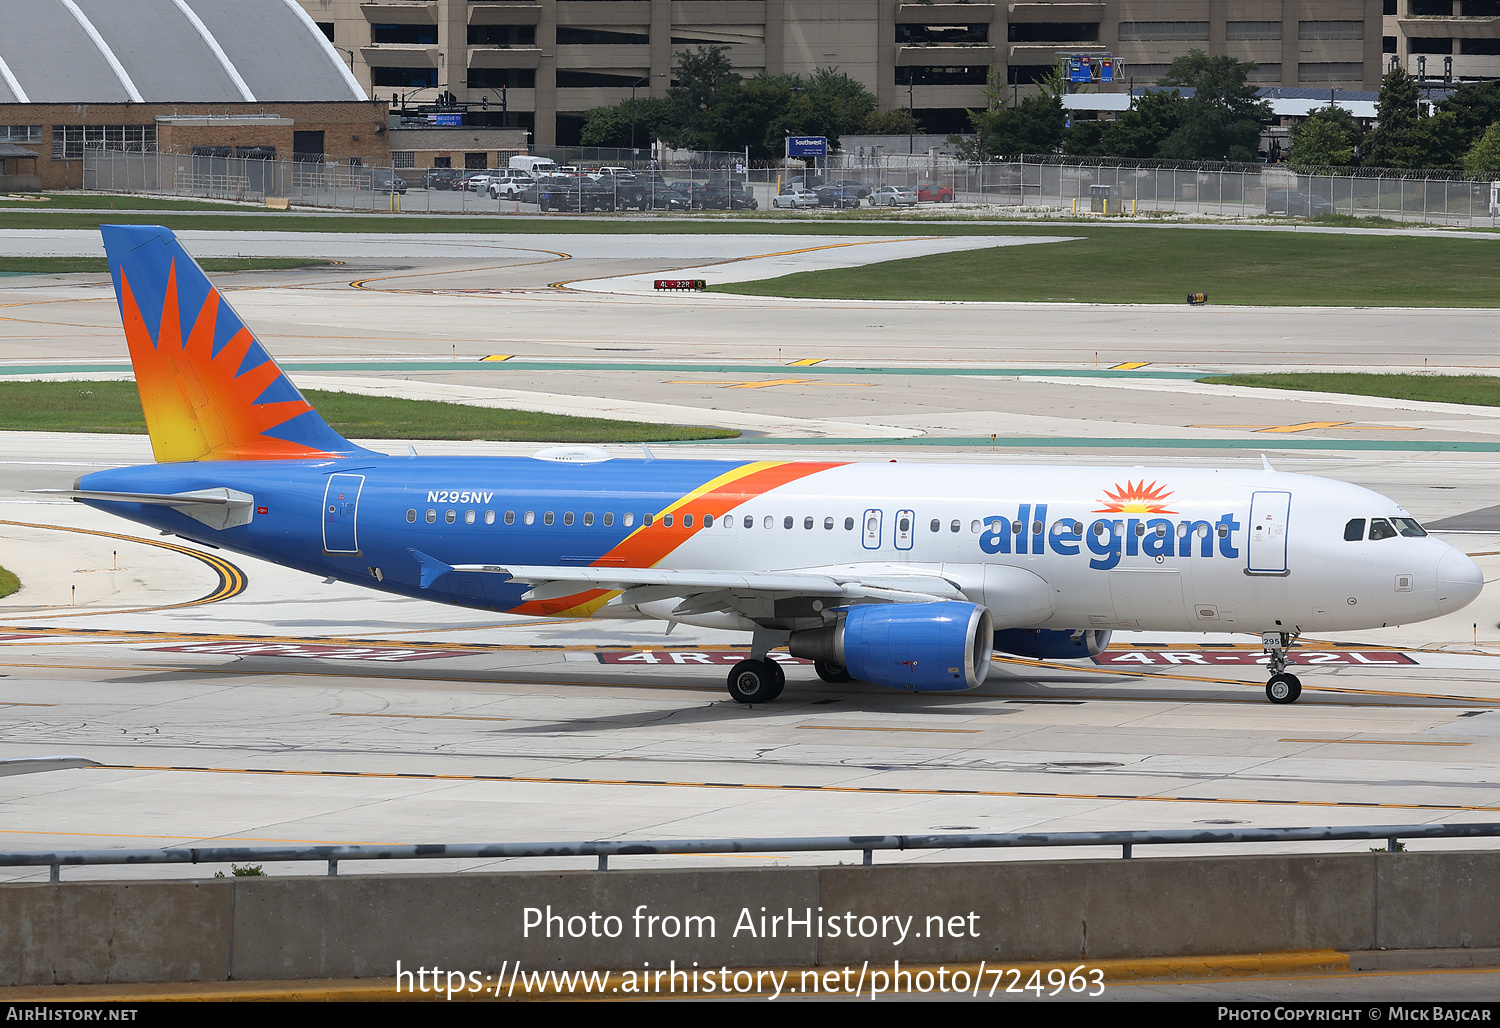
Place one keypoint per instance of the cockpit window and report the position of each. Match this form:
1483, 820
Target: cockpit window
1380, 528
1410, 528
1354, 531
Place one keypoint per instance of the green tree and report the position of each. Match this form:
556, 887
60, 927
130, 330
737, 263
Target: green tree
1140, 132
895, 122
1035, 125
1222, 119
1476, 106
610, 126
1439, 142
1483, 158
1326, 138
1391, 144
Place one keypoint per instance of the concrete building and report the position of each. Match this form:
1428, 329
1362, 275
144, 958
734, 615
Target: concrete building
1443, 40
253, 76
549, 61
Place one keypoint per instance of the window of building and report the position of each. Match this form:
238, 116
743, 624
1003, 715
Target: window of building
404, 78
1482, 47
908, 34
1332, 71
1389, 7
1429, 44
326, 27
567, 35
418, 34
69, 141
20, 133
573, 78
502, 78
1055, 32
476, 161
1387, 44
1264, 73
403, 159
503, 35
1163, 31
1479, 8
923, 75
1430, 8
1252, 30
1330, 30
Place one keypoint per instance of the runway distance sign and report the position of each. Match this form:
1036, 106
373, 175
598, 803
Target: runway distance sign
687, 657
1212, 658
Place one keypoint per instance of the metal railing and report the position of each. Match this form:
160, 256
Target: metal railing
865, 844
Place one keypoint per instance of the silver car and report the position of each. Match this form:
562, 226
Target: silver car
893, 196
795, 198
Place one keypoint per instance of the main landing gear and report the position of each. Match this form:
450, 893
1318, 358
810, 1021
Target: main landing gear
756, 681
1283, 687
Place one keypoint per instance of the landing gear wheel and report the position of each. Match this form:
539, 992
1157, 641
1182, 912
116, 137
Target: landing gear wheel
830, 671
1283, 688
755, 681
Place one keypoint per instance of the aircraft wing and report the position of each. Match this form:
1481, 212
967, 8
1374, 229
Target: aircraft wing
644, 584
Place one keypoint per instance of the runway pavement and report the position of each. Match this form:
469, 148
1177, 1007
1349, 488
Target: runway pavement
240, 701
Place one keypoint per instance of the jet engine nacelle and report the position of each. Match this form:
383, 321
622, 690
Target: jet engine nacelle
926, 647
1051, 643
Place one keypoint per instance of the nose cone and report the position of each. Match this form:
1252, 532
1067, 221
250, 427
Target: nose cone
1458, 582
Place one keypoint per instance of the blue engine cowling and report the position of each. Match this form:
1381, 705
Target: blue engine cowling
926, 647
1051, 643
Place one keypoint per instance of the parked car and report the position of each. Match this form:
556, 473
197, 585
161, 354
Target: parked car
479, 181
893, 196
795, 199
932, 193
508, 184
1295, 204
377, 180
726, 197
665, 200
840, 199
441, 178
854, 186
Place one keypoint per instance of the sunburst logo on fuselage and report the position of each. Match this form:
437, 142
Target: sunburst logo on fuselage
1135, 498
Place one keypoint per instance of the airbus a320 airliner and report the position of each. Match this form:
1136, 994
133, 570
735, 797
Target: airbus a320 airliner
904, 575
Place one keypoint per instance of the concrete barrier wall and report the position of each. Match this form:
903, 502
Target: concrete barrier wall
1065, 910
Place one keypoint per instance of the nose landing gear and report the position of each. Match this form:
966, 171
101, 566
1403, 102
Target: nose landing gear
1283, 687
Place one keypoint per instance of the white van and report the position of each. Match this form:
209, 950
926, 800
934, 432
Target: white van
534, 166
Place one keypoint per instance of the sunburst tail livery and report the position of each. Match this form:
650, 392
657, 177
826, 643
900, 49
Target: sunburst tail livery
907, 575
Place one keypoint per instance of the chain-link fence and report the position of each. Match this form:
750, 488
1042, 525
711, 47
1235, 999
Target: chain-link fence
1049, 183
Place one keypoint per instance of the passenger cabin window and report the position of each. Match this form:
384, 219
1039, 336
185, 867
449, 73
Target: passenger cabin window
468, 517
431, 516
489, 517
450, 517
848, 524
411, 517
510, 517
1380, 528
749, 521
1354, 531
548, 518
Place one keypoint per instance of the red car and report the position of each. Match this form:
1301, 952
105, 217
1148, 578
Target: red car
934, 194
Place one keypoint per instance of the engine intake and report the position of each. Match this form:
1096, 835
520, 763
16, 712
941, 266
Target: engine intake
925, 647
1052, 643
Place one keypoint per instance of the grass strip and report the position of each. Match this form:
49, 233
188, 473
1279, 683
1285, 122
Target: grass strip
1480, 390
116, 407
9, 583
100, 265
1151, 265
115, 202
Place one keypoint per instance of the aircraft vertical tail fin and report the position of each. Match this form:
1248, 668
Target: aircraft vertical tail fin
210, 391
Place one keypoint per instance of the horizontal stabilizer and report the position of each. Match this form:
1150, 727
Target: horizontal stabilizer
31, 765
217, 508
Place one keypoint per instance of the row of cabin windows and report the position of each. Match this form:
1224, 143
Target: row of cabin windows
808, 523
1383, 528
